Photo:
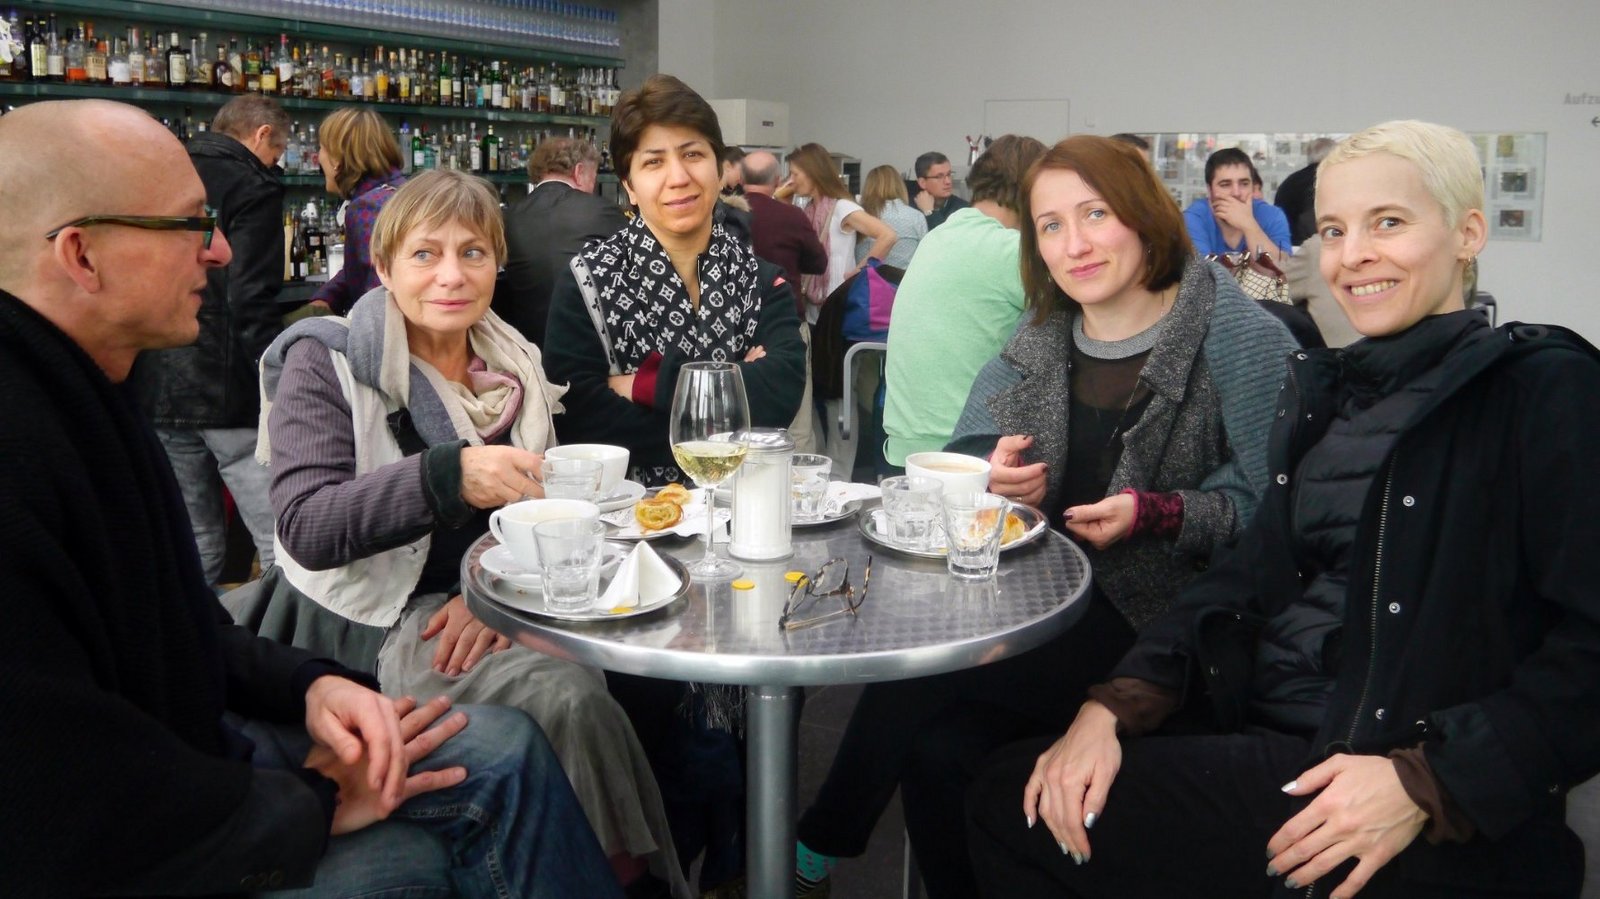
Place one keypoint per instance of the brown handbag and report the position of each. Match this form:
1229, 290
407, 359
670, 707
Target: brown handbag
1258, 275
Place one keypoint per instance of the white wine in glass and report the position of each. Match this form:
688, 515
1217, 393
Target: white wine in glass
710, 416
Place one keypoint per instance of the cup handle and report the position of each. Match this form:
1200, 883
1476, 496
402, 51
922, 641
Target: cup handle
494, 526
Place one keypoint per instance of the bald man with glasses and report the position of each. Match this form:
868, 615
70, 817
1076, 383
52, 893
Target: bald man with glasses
150, 746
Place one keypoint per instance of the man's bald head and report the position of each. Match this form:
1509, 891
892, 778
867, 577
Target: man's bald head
62, 160
760, 171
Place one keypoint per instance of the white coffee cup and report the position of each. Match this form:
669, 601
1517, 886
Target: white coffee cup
613, 461
958, 473
513, 524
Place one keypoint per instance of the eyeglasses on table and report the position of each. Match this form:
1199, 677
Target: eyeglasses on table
831, 580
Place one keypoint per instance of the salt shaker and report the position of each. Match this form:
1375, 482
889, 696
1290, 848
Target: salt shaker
761, 501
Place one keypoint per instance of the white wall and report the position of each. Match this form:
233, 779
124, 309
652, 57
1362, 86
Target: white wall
887, 79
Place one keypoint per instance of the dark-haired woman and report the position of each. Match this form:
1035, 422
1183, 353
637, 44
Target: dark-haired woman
1132, 407
361, 164
674, 286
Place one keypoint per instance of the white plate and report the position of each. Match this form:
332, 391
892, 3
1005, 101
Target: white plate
532, 601
874, 526
628, 493
831, 511
691, 525
497, 561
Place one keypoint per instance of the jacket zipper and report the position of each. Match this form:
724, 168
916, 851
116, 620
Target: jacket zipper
1377, 581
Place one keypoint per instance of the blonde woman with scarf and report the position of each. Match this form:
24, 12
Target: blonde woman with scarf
392, 435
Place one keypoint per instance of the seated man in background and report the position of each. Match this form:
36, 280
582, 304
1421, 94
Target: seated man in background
545, 229
957, 305
1230, 219
151, 747
937, 197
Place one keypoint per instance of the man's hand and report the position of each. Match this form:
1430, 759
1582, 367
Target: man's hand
924, 202
1105, 522
1009, 477
1363, 812
359, 804
756, 352
492, 476
463, 639
1234, 213
1070, 781
354, 724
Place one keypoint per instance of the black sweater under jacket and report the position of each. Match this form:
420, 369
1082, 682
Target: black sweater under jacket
1472, 625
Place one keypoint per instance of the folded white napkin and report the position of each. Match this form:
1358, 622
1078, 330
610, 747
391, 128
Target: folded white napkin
641, 579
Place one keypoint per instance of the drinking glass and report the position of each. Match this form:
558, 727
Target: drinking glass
572, 479
808, 483
570, 551
912, 506
709, 417
973, 524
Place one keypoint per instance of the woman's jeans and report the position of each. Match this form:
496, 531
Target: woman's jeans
512, 828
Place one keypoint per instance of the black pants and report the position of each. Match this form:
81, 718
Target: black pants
1190, 816
930, 736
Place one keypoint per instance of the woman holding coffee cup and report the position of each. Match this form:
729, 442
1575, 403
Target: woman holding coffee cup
1132, 408
392, 436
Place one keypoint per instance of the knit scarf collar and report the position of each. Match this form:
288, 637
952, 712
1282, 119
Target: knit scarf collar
646, 307
819, 212
373, 340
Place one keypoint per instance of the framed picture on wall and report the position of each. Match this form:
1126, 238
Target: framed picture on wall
1514, 184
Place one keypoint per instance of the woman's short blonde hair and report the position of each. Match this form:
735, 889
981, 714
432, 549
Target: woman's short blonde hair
363, 145
1451, 170
432, 200
882, 185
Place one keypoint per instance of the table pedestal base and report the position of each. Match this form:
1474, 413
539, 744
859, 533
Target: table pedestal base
770, 715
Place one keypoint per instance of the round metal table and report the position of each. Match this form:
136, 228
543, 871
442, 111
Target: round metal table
915, 621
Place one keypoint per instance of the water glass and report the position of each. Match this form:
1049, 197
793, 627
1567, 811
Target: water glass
570, 550
973, 524
572, 478
808, 484
912, 506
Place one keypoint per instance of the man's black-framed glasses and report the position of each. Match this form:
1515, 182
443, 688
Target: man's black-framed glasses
831, 580
205, 224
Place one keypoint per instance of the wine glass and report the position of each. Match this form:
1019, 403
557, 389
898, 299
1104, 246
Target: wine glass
710, 416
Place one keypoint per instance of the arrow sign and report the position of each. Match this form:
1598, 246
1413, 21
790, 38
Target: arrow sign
1595, 121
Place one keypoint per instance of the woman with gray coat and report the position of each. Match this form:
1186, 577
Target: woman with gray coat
1132, 408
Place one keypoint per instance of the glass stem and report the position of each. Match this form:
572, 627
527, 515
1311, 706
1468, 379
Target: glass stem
711, 519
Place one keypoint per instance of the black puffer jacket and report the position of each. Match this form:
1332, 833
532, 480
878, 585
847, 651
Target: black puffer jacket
213, 382
1473, 621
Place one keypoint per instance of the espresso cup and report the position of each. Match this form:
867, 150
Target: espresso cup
958, 473
513, 524
613, 462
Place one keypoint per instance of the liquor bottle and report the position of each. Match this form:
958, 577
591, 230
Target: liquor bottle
55, 54
236, 58
369, 84
542, 103
299, 251
95, 57
292, 151
444, 96
381, 79
431, 152
497, 87
491, 151
475, 162
222, 74
136, 58
285, 65
308, 79
419, 156
117, 67
38, 51
77, 73
455, 81
311, 228
330, 76
310, 163
177, 64
252, 69
269, 70
400, 81
202, 69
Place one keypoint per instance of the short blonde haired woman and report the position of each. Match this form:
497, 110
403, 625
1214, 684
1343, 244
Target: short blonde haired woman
392, 435
883, 196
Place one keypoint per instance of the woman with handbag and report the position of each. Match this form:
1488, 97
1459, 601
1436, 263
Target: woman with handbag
1404, 643
674, 286
1131, 406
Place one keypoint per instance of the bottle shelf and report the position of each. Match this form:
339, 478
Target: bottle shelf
50, 90
192, 19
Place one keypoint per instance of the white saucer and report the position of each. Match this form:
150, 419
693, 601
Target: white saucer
628, 493
498, 562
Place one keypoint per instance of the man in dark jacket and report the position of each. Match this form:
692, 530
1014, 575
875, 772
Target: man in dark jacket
151, 747
545, 229
1296, 196
203, 398
778, 231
